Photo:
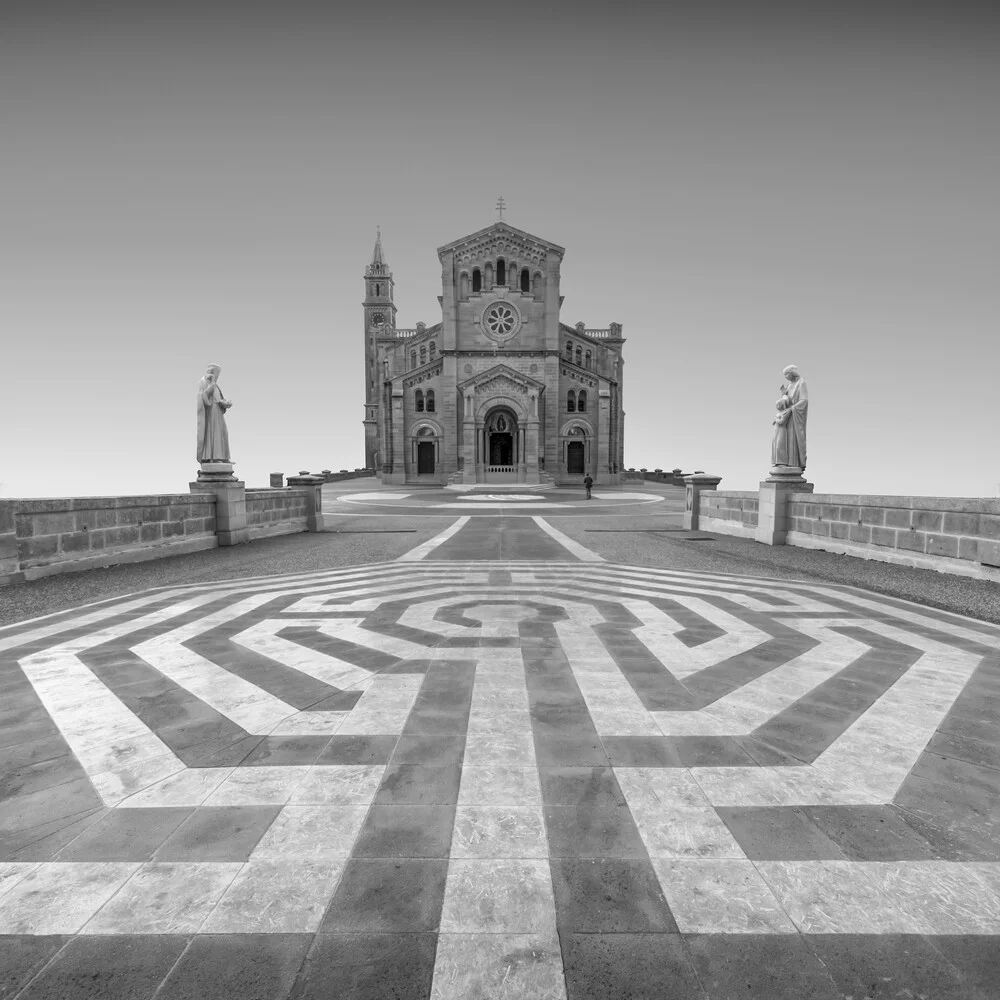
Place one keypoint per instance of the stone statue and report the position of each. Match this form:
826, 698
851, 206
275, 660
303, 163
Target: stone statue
213, 438
385, 366
788, 444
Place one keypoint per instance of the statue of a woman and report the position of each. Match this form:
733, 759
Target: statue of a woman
213, 438
788, 444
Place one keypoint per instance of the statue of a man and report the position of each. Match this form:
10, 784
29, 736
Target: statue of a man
788, 444
213, 438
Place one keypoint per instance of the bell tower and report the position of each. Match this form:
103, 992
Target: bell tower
380, 317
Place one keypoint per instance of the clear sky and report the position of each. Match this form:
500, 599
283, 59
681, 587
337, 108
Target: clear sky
742, 186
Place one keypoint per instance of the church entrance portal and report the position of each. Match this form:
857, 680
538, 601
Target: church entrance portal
502, 447
574, 458
425, 457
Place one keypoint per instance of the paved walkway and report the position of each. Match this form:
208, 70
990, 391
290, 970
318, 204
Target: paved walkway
500, 766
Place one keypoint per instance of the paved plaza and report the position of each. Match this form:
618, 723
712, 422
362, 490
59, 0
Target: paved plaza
501, 766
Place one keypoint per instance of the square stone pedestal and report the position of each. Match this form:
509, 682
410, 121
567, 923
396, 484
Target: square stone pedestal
694, 485
772, 517
230, 501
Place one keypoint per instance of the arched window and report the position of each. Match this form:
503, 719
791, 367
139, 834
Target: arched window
413, 359
433, 350
569, 351
525, 280
571, 402
581, 402
477, 280
430, 400
588, 360
463, 285
488, 276
579, 356
419, 400
423, 355
501, 272
537, 284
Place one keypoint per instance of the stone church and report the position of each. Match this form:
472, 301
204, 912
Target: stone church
500, 391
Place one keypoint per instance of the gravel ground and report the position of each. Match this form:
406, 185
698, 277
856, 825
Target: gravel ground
743, 556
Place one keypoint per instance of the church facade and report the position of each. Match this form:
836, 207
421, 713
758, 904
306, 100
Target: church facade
500, 391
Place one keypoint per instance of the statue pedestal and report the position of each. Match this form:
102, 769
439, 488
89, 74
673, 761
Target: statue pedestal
772, 519
230, 501
211, 474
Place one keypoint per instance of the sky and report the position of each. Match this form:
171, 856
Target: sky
743, 186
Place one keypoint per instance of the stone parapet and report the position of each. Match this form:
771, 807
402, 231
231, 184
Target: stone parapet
951, 534
66, 534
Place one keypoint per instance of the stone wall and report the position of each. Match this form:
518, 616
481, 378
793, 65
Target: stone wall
42, 537
46, 536
954, 535
276, 512
732, 512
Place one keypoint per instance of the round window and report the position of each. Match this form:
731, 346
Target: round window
501, 321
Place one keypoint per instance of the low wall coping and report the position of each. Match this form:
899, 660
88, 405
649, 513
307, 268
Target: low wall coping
51, 505
981, 505
736, 494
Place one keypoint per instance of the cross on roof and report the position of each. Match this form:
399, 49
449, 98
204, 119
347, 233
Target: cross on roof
501, 205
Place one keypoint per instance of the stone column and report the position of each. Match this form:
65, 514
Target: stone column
694, 486
313, 485
772, 518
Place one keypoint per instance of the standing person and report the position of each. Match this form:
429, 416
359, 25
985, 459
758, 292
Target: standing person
588, 481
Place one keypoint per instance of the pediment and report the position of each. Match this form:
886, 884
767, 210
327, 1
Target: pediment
501, 240
501, 379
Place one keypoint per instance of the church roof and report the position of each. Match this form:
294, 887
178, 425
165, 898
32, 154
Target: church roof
501, 228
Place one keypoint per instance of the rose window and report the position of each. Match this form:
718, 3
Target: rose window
500, 320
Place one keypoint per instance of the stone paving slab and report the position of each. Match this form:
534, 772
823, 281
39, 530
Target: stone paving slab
541, 774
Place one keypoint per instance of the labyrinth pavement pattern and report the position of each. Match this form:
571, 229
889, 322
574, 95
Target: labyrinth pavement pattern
492, 749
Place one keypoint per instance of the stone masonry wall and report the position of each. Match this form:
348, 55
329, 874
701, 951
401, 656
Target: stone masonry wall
730, 512
951, 534
276, 512
44, 536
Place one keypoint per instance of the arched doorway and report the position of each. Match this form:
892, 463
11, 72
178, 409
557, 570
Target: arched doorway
424, 459
576, 448
502, 445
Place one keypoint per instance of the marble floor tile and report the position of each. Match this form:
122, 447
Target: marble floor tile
164, 898
251, 786
517, 748
498, 896
498, 965
333, 784
674, 817
711, 896
943, 897
499, 832
834, 897
311, 833
59, 898
499, 785
275, 897
11, 872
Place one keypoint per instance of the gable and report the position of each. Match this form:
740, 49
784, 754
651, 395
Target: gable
501, 240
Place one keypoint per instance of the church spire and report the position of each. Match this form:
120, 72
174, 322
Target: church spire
378, 266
